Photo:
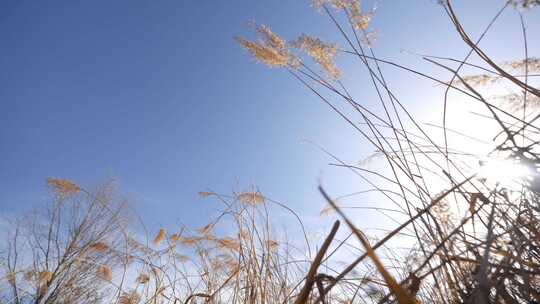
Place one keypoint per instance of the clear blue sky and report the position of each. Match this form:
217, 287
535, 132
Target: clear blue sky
157, 95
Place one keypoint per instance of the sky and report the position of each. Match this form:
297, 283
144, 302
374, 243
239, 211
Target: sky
158, 96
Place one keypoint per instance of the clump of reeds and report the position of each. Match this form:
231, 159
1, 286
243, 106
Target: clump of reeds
490, 253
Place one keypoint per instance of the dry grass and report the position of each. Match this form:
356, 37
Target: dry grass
464, 239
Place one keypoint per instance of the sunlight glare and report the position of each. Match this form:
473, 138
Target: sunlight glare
504, 171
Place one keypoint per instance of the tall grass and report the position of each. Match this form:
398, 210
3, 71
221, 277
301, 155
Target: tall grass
469, 236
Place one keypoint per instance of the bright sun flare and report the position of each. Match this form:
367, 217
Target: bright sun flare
504, 172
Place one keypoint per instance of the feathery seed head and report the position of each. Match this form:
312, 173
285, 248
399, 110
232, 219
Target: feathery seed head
44, 277
29, 275
228, 243
104, 272
129, 298
99, 247
159, 237
143, 278
531, 64
525, 4
174, 238
62, 187
204, 194
11, 278
269, 48
206, 229
188, 241
250, 198
322, 53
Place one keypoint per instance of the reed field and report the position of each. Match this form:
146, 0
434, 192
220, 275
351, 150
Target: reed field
465, 223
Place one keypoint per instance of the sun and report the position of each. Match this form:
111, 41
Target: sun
504, 172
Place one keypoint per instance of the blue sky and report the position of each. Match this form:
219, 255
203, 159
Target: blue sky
157, 95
